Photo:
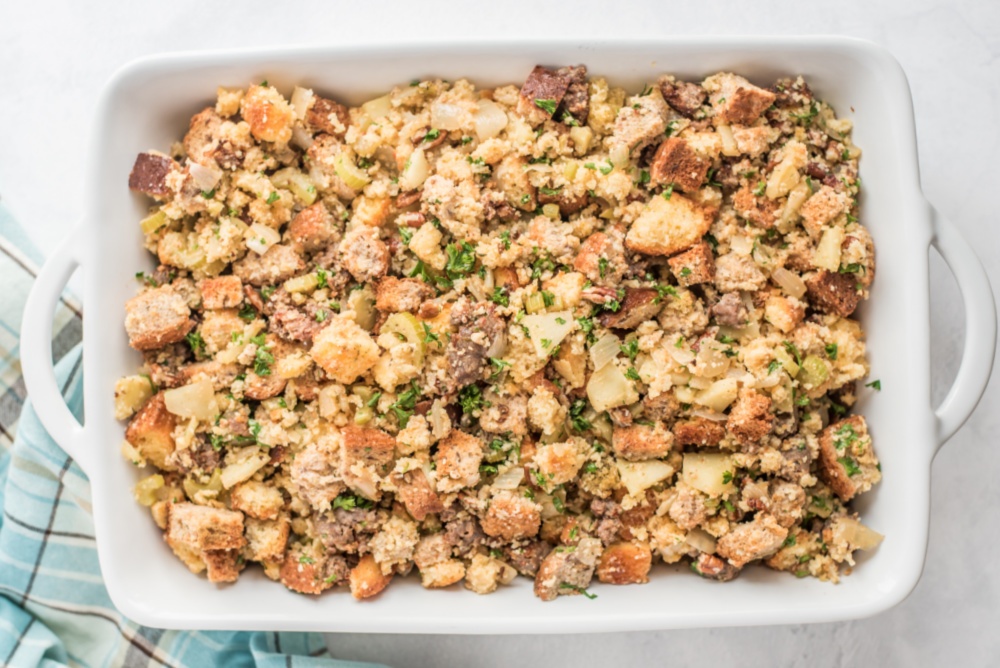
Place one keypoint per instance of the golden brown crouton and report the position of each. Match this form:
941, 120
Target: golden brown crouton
736, 100
393, 295
557, 463
201, 139
367, 578
676, 162
698, 431
223, 565
416, 493
668, 226
785, 313
367, 455
641, 122
640, 442
833, 292
303, 573
328, 116
693, 266
458, 458
278, 264
688, 509
442, 574
151, 432
363, 254
221, 292
485, 574
752, 540
750, 418
266, 539
512, 516
344, 350
204, 528
601, 257
858, 250
267, 112
312, 228
625, 563
759, 210
847, 462
156, 318
257, 499
638, 306
822, 207
264, 387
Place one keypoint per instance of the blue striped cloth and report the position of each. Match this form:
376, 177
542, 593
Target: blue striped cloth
54, 609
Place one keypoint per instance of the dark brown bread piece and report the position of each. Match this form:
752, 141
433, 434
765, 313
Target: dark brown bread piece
834, 293
149, 174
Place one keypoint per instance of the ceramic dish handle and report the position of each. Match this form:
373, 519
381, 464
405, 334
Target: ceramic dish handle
36, 348
980, 329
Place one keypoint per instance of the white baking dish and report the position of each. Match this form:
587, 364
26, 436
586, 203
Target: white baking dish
147, 105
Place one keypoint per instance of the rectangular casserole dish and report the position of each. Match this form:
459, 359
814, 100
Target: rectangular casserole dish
147, 105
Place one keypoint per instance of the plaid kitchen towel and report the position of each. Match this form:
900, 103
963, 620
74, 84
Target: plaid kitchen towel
54, 610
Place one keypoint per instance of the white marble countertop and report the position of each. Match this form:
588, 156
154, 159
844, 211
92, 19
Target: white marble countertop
57, 54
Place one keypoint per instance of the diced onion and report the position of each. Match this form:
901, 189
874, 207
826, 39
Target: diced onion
261, 237
415, 172
741, 244
445, 116
701, 540
489, 120
682, 355
706, 472
712, 361
377, 108
729, 146
608, 388
302, 99
196, 400
509, 479
710, 415
302, 137
719, 395
639, 476
547, 330
827, 253
204, 177
605, 350
699, 383
791, 284
619, 154
244, 469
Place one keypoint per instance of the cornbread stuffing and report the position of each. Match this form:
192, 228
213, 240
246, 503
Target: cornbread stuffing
561, 330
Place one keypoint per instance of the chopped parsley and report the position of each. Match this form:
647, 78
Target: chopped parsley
470, 398
875, 385
850, 466
505, 238
578, 590
348, 501
632, 374
196, 343
546, 105
432, 134
405, 404
429, 335
644, 176
793, 351
551, 192
247, 313
499, 296
630, 349
773, 366
831, 350
498, 365
727, 477
606, 169
685, 271
461, 259
273, 197
405, 234
262, 359
576, 418
668, 191
759, 190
